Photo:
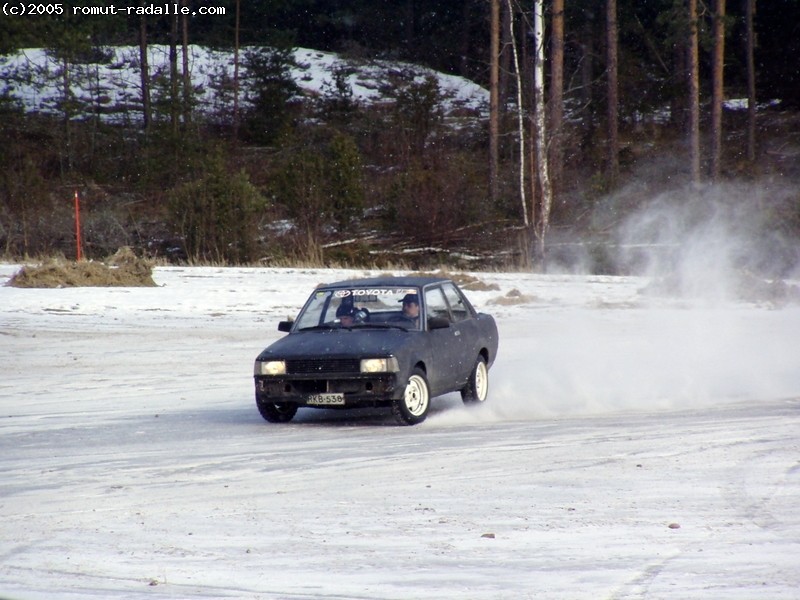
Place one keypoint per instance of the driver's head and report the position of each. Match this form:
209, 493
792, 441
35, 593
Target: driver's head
411, 305
346, 314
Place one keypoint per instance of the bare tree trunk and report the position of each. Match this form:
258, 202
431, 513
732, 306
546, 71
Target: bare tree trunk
173, 74
236, 30
144, 72
533, 172
506, 28
556, 101
520, 121
494, 104
717, 89
750, 10
187, 76
541, 129
527, 66
694, 93
613, 92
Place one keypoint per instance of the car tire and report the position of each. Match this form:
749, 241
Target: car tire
477, 389
413, 407
276, 412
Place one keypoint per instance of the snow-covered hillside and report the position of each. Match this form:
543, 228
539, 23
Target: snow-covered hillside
33, 79
632, 447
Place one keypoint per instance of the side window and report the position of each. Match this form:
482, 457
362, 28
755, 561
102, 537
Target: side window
312, 314
457, 306
435, 304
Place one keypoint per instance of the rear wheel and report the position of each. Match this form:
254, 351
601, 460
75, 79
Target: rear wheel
477, 388
276, 412
413, 407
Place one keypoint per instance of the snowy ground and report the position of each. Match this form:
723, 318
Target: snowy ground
631, 448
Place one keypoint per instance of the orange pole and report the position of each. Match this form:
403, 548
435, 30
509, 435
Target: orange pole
78, 253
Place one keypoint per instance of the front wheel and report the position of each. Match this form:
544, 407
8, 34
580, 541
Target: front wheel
276, 412
413, 407
477, 388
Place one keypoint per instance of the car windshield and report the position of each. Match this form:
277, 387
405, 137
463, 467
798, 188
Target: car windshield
361, 307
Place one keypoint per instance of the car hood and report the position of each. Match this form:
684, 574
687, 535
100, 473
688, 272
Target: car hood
338, 343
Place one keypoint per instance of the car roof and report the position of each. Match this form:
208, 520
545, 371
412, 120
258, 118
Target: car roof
408, 281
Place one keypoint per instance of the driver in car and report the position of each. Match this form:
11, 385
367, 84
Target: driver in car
411, 308
346, 314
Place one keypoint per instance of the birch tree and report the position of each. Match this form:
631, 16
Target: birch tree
541, 130
520, 118
173, 74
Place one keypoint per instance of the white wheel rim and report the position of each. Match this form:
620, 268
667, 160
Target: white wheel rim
481, 381
416, 396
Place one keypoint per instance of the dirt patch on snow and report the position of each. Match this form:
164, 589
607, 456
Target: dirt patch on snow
512, 298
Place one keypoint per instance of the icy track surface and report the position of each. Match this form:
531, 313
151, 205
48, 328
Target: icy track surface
631, 448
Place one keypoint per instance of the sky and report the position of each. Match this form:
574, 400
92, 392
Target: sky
633, 446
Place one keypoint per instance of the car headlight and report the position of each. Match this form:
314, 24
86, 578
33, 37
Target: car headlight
270, 367
379, 365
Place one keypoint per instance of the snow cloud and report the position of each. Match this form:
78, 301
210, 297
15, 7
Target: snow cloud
713, 242
603, 362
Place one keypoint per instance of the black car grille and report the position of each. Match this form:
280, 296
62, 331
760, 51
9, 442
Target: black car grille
323, 365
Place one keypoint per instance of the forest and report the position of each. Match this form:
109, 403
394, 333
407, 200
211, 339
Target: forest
594, 111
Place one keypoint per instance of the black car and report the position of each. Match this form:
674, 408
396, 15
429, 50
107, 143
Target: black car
389, 341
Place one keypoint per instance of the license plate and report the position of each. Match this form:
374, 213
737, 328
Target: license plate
325, 399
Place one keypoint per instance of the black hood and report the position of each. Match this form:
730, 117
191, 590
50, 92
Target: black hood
357, 342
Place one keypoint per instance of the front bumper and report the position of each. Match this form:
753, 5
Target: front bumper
357, 390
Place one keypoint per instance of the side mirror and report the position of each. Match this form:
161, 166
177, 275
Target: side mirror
285, 326
438, 323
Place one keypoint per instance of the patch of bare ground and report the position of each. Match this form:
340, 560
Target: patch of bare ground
512, 298
123, 269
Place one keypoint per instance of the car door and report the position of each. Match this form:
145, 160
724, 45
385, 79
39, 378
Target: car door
465, 328
445, 372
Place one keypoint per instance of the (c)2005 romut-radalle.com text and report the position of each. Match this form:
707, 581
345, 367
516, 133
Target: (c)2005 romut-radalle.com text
34, 9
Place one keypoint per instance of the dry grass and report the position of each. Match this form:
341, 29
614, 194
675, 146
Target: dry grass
123, 269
